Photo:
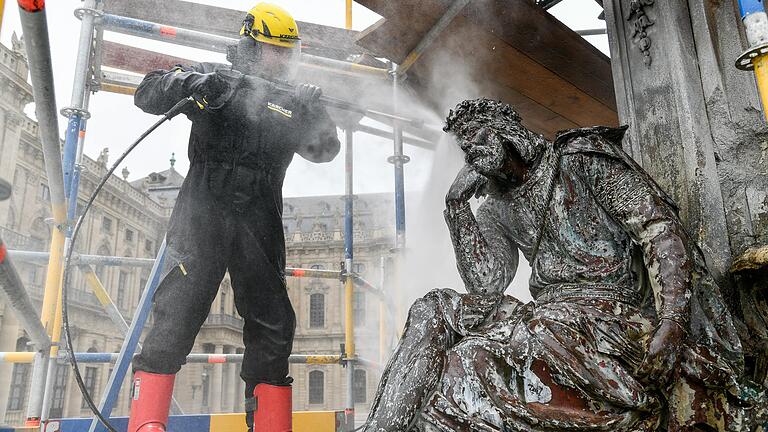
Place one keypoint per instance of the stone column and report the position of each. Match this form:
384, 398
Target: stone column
695, 120
240, 395
660, 95
233, 386
230, 388
9, 331
216, 378
696, 126
8, 148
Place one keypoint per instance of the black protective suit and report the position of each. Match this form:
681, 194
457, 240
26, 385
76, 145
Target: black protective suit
228, 216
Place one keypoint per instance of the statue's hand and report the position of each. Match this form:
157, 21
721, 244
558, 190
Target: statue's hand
663, 357
468, 183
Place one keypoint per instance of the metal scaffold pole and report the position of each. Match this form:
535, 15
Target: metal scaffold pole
114, 314
349, 287
35, 27
72, 159
398, 159
383, 346
130, 343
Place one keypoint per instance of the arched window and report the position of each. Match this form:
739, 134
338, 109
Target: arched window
359, 385
317, 310
19, 379
358, 307
316, 387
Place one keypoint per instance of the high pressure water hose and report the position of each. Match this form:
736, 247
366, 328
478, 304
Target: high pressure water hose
173, 112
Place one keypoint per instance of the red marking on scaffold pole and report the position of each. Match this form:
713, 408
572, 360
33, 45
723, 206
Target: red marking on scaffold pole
32, 5
3, 252
82, 133
168, 31
298, 273
217, 358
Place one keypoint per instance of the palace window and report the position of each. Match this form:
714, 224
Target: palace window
122, 290
106, 224
359, 386
19, 379
358, 307
316, 387
59, 392
317, 310
358, 268
45, 192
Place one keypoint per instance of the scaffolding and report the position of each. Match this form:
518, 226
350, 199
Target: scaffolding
64, 171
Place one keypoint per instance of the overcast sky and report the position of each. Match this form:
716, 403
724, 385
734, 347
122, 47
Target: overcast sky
116, 122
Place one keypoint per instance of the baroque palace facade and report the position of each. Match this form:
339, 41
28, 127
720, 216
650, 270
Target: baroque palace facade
129, 219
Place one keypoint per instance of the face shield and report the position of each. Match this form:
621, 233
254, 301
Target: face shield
281, 62
269, 61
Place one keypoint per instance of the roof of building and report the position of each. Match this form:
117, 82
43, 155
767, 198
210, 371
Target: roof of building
169, 178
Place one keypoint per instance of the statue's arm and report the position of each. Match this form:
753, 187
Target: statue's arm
486, 258
651, 222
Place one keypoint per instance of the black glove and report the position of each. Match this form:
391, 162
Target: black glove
209, 85
308, 95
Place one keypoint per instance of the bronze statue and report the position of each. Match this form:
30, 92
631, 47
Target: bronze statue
628, 331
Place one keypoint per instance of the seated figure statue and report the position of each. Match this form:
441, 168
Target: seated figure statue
628, 331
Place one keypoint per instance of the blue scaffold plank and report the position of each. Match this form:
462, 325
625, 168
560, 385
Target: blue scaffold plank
185, 423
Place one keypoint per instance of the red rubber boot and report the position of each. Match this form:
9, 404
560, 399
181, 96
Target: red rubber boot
150, 401
274, 408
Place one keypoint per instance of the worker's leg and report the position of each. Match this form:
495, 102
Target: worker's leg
194, 267
261, 296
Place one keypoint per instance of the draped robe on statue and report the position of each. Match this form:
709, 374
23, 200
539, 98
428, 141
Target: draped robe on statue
609, 258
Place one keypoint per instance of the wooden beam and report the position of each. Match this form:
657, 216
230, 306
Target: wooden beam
516, 23
498, 62
137, 60
477, 52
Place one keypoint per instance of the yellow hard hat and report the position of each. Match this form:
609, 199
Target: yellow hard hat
272, 25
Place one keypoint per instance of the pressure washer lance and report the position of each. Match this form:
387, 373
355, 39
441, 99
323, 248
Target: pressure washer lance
236, 79
173, 112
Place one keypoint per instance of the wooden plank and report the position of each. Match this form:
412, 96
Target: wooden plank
137, 60
516, 23
549, 42
493, 59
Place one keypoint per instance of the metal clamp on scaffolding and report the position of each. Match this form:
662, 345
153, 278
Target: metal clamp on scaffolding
756, 57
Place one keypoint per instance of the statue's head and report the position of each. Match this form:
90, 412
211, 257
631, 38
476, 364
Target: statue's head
494, 141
